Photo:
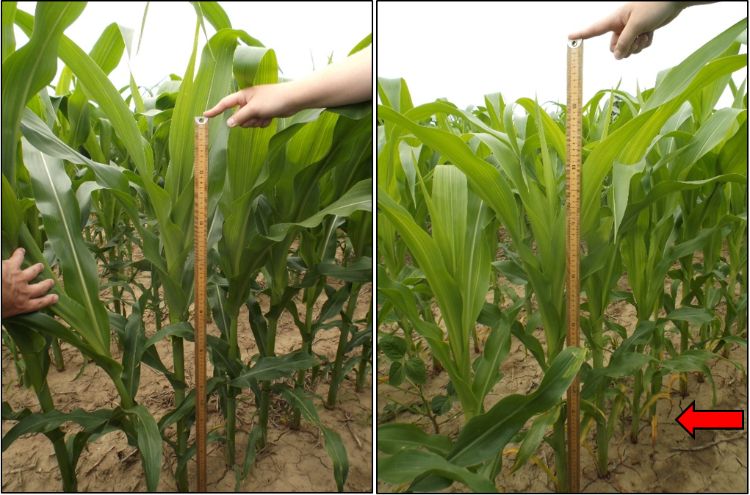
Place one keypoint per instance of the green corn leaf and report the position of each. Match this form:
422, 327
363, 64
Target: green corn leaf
403, 299
177, 176
552, 132
394, 93
76, 443
98, 87
39, 322
359, 271
629, 142
271, 368
487, 434
49, 421
311, 143
364, 43
186, 408
182, 329
693, 360
333, 305
488, 364
248, 148
534, 437
9, 38
337, 452
214, 13
406, 465
426, 253
12, 215
59, 209
358, 198
149, 443
667, 187
696, 316
212, 82
622, 176
109, 176
34, 349
333, 444
109, 48
78, 115
30, 68
133, 343
250, 450
678, 78
483, 177
394, 437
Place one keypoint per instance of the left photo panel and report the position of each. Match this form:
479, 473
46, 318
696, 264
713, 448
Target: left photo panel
187, 242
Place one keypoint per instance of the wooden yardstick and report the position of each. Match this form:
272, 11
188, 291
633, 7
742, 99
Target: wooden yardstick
573, 172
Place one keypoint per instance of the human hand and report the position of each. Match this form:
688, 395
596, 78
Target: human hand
258, 105
633, 25
20, 296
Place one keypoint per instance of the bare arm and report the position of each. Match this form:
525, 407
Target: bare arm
341, 83
633, 25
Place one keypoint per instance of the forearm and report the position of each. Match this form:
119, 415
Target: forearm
342, 83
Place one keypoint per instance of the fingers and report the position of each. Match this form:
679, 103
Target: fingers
256, 122
16, 259
41, 302
245, 114
613, 42
605, 25
642, 41
227, 102
20, 296
625, 44
30, 273
41, 288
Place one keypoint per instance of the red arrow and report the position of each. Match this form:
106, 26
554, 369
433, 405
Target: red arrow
691, 419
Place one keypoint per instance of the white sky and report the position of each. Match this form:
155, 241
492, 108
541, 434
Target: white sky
464, 50
303, 34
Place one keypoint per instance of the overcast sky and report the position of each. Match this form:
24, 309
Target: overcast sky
463, 50
303, 34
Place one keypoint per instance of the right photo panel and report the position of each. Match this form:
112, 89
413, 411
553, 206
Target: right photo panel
562, 247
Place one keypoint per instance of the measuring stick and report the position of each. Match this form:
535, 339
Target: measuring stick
573, 171
200, 174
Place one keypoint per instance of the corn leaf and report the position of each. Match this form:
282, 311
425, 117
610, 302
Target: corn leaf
149, 443
487, 434
333, 444
30, 68
394, 437
409, 464
59, 209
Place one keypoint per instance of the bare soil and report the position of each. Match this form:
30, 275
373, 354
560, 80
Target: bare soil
293, 460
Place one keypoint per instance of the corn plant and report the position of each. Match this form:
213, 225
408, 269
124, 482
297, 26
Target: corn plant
658, 187
456, 261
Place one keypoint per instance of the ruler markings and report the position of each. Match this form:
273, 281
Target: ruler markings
573, 172
200, 174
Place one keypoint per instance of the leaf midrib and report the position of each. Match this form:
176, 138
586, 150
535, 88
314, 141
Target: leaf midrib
79, 271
